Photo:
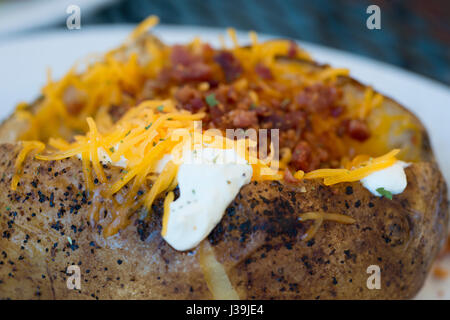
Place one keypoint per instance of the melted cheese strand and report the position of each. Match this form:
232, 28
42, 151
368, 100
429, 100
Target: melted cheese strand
27, 147
365, 167
319, 217
232, 34
167, 201
215, 275
360, 173
93, 150
162, 183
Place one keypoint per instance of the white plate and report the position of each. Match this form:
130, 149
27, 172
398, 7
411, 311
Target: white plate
23, 64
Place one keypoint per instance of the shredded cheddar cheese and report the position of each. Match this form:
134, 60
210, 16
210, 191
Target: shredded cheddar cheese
101, 85
217, 280
369, 102
232, 34
143, 136
167, 201
364, 167
299, 175
84, 127
332, 73
27, 147
319, 217
144, 26
103, 82
253, 38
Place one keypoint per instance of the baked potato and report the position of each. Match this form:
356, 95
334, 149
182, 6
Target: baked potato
260, 249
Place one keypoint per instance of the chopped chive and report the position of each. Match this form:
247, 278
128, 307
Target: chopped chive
160, 108
128, 133
111, 149
147, 127
385, 193
211, 100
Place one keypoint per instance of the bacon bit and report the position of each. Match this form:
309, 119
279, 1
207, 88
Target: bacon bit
198, 71
293, 49
243, 118
187, 67
181, 56
288, 177
190, 99
263, 72
195, 105
229, 64
440, 273
275, 120
162, 79
261, 110
358, 130
283, 121
318, 98
186, 93
216, 114
207, 50
296, 119
301, 156
336, 112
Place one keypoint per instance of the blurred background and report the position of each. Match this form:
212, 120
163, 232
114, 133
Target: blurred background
414, 35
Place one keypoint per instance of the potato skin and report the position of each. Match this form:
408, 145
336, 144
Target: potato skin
50, 206
259, 240
402, 236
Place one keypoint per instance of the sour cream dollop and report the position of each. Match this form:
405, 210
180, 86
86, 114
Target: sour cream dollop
392, 179
209, 179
